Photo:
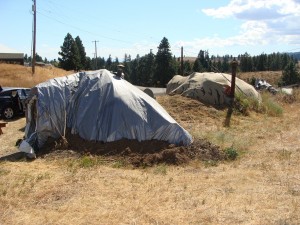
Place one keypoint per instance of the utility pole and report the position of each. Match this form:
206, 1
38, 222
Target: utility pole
95, 54
34, 36
181, 65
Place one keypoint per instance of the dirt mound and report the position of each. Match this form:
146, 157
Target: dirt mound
145, 153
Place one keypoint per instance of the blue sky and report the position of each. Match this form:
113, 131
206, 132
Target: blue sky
134, 27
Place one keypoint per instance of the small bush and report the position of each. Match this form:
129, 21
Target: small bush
86, 162
272, 108
231, 153
244, 104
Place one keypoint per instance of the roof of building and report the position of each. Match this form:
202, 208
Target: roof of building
11, 55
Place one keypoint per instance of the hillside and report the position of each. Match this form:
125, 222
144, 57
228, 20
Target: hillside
296, 55
21, 76
272, 77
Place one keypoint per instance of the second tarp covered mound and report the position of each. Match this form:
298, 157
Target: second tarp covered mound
98, 106
210, 88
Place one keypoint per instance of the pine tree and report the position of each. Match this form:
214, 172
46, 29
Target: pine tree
163, 71
38, 58
134, 78
197, 66
26, 58
246, 63
150, 61
290, 74
108, 64
187, 69
70, 59
82, 53
75, 59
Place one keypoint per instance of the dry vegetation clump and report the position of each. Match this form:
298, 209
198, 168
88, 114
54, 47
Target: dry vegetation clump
10, 73
289, 99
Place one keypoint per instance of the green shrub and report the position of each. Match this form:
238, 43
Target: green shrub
243, 104
272, 108
231, 153
87, 162
268, 105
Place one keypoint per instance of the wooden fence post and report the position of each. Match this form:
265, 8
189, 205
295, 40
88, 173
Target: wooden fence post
234, 64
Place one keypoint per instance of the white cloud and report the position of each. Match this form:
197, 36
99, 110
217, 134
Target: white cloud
255, 9
252, 33
264, 22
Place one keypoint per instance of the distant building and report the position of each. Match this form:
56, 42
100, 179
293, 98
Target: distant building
187, 59
12, 58
42, 64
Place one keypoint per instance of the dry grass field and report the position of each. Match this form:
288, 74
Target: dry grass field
262, 186
271, 77
20, 76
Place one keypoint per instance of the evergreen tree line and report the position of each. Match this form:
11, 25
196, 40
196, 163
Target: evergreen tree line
264, 62
156, 70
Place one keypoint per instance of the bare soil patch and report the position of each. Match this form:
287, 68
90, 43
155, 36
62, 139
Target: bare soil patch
144, 153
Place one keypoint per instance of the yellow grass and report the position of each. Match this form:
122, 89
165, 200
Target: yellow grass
261, 187
272, 77
21, 76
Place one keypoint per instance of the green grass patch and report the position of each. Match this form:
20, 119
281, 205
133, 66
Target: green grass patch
231, 153
268, 105
119, 164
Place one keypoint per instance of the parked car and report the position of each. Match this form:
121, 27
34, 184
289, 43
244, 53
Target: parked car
12, 101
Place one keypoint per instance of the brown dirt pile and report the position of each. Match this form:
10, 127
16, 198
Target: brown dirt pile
145, 153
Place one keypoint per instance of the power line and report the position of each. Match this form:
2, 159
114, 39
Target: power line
89, 20
110, 38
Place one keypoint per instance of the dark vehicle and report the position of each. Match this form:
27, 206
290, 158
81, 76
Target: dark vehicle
12, 101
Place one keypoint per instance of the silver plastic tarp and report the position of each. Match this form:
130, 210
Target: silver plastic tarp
98, 106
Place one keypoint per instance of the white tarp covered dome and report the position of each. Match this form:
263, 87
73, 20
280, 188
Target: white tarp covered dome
98, 106
211, 88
